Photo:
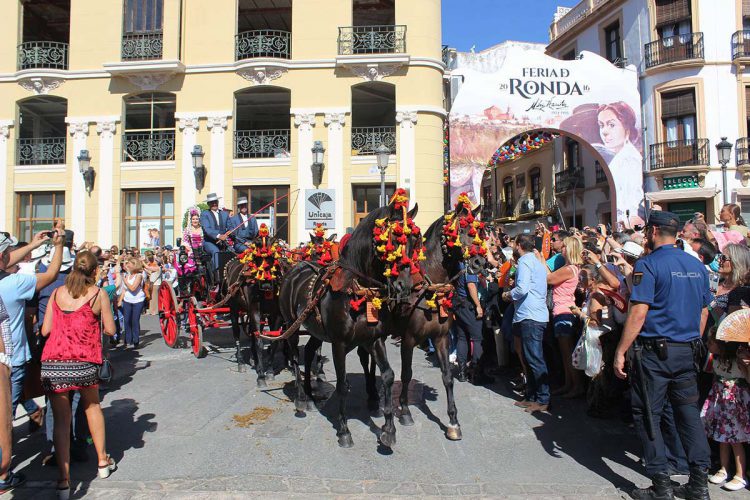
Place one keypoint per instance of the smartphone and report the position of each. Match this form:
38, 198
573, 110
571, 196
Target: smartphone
610, 259
50, 234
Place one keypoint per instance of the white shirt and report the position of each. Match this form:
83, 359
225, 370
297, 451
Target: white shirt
244, 220
134, 297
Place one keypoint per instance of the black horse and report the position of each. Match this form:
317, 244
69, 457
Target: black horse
337, 318
453, 245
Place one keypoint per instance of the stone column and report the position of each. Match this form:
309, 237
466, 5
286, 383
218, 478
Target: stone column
105, 180
189, 125
305, 122
217, 125
335, 123
407, 153
5, 125
79, 129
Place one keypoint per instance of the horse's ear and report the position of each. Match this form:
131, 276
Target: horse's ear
476, 211
312, 237
332, 237
413, 212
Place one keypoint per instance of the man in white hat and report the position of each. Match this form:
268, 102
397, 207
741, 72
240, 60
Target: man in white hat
15, 290
214, 224
247, 226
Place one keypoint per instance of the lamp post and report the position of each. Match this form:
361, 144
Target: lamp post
87, 171
382, 154
318, 152
724, 149
199, 170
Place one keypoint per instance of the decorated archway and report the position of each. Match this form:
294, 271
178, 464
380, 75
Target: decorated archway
588, 99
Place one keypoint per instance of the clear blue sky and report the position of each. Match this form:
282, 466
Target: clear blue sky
485, 23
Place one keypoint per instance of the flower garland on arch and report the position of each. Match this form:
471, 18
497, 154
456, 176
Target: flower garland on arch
324, 249
262, 260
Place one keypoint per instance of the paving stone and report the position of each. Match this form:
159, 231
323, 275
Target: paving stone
347, 487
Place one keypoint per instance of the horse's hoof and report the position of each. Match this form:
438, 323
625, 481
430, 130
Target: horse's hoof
345, 441
261, 384
454, 433
321, 377
387, 439
300, 405
271, 376
310, 406
405, 420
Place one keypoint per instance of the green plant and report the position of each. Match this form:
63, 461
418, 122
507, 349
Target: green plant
200, 206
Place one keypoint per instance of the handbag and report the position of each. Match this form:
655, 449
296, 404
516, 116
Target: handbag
105, 369
578, 359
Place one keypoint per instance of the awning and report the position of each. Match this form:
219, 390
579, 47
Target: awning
743, 191
683, 194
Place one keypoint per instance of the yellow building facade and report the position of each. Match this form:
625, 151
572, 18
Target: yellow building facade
255, 83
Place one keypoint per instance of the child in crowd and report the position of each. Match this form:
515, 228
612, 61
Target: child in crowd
726, 412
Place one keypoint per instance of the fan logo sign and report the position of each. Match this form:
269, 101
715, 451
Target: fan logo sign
320, 207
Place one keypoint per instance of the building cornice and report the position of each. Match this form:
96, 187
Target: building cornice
596, 15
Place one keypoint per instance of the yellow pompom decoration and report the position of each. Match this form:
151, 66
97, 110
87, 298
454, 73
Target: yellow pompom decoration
387, 272
391, 257
477, 240
381, 249
380, 222
384, 237
421, 255
466, 254
377, 303
407, 230
432, 303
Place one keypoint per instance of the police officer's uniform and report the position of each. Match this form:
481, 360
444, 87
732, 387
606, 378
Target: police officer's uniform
664, 357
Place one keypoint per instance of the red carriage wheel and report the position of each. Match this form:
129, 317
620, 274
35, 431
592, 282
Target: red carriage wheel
196, 330
168, 314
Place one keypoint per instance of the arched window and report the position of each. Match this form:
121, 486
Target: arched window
262, 122
149, 127
373, 117
41, 130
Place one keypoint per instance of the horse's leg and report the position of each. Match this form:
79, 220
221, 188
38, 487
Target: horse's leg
320, 373
300, 402
234, 316
407, 351
342, 389
260, 367
442, 350
313, 345
388, 434
373, 399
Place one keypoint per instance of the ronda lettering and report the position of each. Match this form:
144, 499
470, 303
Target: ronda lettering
531, 88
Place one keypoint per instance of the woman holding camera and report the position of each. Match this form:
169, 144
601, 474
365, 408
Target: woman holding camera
71, 359
133, 300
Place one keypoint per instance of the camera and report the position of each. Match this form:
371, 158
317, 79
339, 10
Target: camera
50, 234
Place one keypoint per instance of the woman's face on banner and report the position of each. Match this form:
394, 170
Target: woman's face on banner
612, 132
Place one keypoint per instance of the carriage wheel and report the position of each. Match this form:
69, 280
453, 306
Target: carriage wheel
168, 314
196, 330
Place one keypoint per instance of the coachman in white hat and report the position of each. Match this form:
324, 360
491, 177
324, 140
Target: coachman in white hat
247, 226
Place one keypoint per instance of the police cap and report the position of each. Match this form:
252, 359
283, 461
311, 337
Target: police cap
659, 218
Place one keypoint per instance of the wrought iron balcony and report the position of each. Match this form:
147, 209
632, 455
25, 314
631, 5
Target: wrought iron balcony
41, 151
741, 44
672, 154
505, 209
43, 55
142, 46
261, 143
372, 40
742, 152
674, 48
365, 140
148, 146
263, 43
568, 180
601, 177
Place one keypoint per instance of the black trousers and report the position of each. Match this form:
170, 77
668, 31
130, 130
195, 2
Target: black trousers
674, 378
468, 329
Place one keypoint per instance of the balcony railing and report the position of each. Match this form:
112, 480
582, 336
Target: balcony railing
263, 43
568, 180
674, 154
43, 55
674, 48
742, 152
365, 140
372, 40
261, 143
142, 46
741, 44
41, 151
148, 146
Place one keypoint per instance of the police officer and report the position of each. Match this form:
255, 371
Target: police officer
668, 311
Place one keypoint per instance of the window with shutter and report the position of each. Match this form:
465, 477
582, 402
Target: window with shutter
143, 16
672, 11
678, 115
745, 8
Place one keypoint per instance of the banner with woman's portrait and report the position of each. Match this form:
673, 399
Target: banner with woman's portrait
589, 98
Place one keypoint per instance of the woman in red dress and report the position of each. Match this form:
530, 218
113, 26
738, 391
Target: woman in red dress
71, 359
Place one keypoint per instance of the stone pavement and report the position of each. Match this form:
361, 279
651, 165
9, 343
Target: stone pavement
181, 427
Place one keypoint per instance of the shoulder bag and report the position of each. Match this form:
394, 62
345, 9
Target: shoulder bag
105, 369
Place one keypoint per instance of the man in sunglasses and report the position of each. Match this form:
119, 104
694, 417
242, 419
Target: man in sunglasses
15, 290
668, 310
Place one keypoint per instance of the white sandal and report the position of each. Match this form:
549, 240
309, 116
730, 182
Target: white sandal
106, 470
736, 484
718, 478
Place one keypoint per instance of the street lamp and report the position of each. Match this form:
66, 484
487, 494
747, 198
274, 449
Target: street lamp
317, 165
87, 171
724, 148
199, 170
382, 154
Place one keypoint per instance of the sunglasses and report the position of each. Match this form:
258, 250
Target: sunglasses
723, 258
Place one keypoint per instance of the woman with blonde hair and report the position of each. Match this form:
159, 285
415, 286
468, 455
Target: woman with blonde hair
71, 359
133, 300
565, 324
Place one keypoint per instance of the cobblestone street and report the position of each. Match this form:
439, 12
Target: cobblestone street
186, 428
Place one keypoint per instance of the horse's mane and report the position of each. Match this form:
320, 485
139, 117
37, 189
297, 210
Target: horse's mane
359, 251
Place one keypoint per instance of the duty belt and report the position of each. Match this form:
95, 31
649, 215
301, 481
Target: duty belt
651, 342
